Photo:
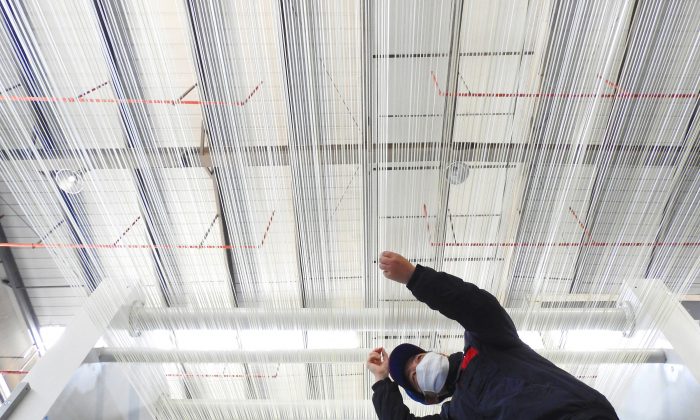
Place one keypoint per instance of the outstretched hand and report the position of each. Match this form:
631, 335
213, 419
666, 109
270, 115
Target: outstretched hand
378, 363
396, 267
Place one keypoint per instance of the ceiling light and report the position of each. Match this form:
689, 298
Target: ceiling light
457, 172
70, 181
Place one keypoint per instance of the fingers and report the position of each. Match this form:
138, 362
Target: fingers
386, 256
375, 356
378, 363
378, 356
385, 262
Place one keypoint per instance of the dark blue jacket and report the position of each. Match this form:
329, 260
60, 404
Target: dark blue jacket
506, 379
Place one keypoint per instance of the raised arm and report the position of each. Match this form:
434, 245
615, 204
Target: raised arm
387, 399
477, 310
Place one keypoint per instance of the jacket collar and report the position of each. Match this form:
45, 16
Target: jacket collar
453, 374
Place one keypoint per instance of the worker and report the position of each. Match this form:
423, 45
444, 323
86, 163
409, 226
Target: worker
497, 377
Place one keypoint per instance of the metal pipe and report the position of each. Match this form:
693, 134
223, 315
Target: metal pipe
367, 319
265, 409
147, 355
604, 356
350, 154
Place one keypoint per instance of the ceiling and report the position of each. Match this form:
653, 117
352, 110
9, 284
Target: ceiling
262, 154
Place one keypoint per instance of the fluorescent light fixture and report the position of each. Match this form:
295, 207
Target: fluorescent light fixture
333, 340
201, 340
271, 340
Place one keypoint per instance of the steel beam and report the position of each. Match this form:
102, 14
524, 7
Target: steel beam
224, 230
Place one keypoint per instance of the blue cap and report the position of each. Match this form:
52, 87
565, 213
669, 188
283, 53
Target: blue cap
397, 365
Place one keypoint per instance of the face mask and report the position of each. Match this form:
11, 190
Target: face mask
431, 372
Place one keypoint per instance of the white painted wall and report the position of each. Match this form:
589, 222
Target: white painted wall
99, 391
14, 336
660, 391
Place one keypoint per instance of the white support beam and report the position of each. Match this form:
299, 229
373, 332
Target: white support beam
13, 401
576, 297
335, 356
265, 409
657, 308
147, 355
53, 371
367, 319
599, 357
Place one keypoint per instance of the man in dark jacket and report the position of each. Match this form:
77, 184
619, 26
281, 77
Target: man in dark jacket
497, 377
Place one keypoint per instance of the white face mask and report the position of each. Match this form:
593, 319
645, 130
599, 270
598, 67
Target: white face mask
431, 372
